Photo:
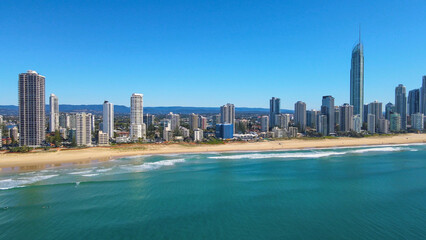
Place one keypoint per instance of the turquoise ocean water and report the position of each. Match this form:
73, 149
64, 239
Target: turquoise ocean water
376, 192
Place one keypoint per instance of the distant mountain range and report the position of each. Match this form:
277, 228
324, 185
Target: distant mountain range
120, 109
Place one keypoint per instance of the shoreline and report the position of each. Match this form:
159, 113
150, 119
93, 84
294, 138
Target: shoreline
11, 162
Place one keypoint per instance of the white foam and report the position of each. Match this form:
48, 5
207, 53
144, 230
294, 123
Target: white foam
102, 170
81, 172
281, 155
382, 149
90, 175
152, 165
22, 181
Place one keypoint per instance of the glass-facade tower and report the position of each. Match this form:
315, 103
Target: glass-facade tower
357, 79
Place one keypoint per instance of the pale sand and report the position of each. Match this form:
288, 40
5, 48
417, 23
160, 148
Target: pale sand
38, 160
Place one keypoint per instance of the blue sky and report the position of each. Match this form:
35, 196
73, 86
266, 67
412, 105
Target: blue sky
208, 53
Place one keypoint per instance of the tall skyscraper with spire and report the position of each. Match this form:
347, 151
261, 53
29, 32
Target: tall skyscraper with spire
357, 78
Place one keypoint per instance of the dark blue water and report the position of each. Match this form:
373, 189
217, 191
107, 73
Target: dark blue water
345, 193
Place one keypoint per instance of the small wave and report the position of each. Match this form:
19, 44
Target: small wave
383, 149
90, 175
152, 165
280, 155
22, 181
102, 170
81, 172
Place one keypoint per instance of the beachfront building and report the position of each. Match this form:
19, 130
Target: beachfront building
423, 96
322, 125
300, 115
375, 108
193, 121
327, 108
357, 79
292, 132
357, 123
417, 121
413, 101
31, 109
389, 108
83, 135
198, 135
54, 113
264, 123
103, 138
395, 122
224, 131
383, 126
311, 117
174, 120
401, 105
137, 127
149, 119
184, 131
202, 122
108, 119
371, 123
274, 109
227, 114
346, 117
282, 120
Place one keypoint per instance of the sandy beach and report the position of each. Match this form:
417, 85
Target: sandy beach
61, 157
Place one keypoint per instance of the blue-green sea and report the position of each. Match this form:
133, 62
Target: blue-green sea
375, 192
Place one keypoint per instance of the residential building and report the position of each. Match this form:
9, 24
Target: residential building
395, 122
54, 113
375, 108
198, 135
300, 115
224, 131
357, 123
371, 123
184, 131
413, 101
390, 108
322, 124
383, 126
346, 117
31, 109
137, 126
311, 117
401, 104
14, 134
279, 133
327, 108
265, 123
193, 121
274, 109
423, 96
84, 129
292, 132
175, 121
227, 114
417, 121
103, 138
149, 119
365, 115
357, 79
336, 115
202, 122
108, 119
282, 120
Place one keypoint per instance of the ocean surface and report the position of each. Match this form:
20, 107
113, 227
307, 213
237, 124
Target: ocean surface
376, 192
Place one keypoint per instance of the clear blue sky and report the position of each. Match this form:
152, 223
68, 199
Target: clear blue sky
208, 53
